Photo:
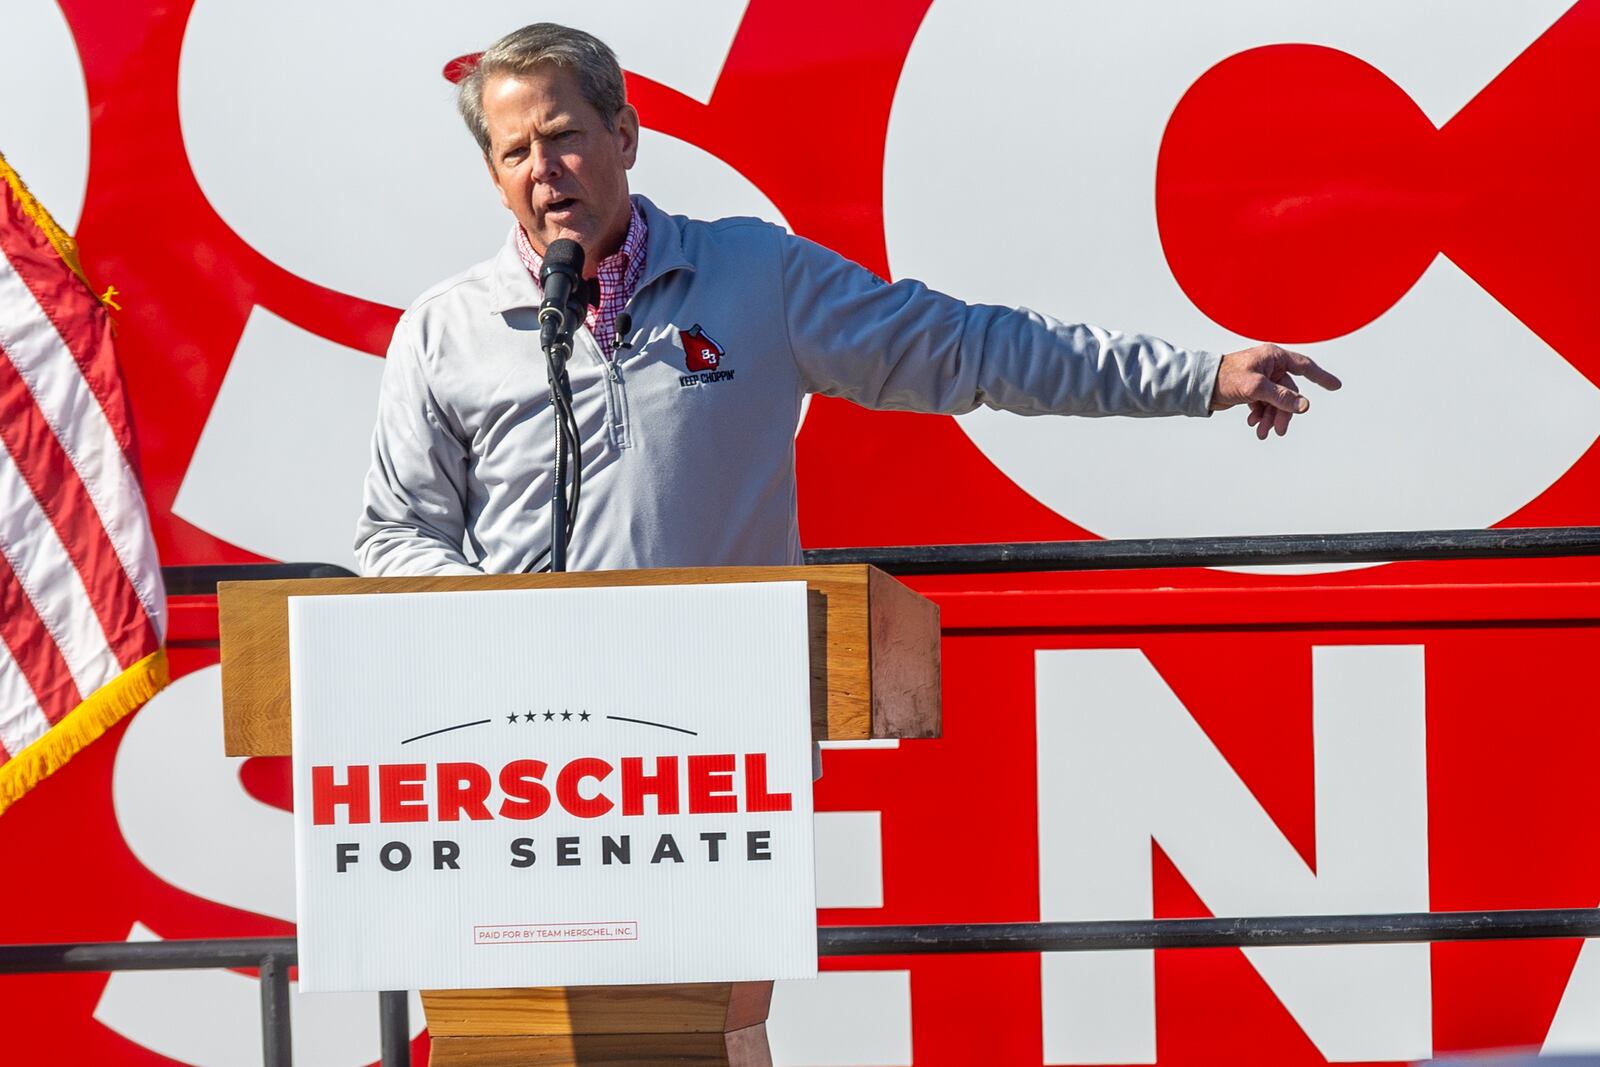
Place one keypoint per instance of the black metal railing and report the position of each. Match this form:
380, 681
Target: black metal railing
1254, 932
202, 580
275, 955
1280, 549
272, 956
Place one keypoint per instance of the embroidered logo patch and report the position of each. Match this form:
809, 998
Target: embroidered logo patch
702, 358
700, 351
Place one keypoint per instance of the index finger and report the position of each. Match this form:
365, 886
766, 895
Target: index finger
1307, 367
1283, 396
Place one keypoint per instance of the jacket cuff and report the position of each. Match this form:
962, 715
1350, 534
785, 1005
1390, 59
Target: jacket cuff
1202, 383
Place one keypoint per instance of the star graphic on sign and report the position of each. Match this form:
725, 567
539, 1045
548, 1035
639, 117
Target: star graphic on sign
584, 716
529, 717
565, 715
549, 715
512, 717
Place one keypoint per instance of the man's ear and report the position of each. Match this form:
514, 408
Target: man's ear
494, 176
628, 131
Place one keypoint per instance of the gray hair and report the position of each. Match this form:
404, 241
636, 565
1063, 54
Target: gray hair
522, 51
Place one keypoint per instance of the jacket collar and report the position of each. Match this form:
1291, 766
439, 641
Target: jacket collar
512, 284
514, 287
663, 243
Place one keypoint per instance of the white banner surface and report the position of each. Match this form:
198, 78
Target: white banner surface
553, 787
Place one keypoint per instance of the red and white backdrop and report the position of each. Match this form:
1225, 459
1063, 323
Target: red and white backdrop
1402, 187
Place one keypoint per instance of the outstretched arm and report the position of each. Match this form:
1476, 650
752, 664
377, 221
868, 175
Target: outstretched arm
904, 346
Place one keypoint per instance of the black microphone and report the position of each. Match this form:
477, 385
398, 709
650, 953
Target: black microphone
561, 278
624, 328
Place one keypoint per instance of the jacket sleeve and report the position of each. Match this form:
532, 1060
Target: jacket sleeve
903, 346
414, 500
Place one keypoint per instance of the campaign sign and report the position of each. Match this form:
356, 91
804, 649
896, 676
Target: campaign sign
553, 787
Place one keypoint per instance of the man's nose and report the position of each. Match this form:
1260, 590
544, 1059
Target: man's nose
545, 162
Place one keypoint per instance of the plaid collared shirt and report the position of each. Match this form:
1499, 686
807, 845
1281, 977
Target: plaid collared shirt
618, 274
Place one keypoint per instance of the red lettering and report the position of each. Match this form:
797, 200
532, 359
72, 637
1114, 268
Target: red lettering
400, 792
756, 797
526, 796
663, 785
706, 774
326, 795
567, 788
463, 788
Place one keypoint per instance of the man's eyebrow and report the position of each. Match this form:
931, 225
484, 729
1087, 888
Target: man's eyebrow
519, 139
508, 143
559, 124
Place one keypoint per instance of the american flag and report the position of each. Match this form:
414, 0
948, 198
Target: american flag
82, 609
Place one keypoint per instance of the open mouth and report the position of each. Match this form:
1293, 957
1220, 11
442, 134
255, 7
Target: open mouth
557, 207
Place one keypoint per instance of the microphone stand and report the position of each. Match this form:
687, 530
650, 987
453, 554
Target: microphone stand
556, 340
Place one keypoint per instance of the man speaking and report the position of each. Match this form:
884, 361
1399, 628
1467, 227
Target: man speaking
701, 342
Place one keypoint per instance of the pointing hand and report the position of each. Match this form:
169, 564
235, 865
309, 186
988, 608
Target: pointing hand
1262, 377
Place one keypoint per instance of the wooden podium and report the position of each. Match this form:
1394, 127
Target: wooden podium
874, 674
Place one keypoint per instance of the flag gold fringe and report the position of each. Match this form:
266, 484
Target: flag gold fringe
107, 706
60, 239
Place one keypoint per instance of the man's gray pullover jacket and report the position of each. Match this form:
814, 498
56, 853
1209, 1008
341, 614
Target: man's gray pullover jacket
688, 434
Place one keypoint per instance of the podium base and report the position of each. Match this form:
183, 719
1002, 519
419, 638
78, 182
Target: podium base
707, 1025
741, 1048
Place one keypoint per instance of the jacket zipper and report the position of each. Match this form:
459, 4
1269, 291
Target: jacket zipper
616, 397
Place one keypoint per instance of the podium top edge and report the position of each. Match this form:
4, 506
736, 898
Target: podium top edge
811, 573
